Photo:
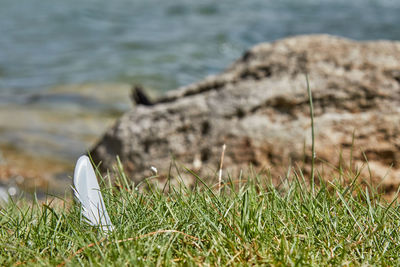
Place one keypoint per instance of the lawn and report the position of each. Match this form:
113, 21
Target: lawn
250, 222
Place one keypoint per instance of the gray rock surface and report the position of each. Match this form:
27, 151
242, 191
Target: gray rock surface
259, 109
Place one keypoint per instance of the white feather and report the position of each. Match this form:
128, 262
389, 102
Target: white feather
87, 191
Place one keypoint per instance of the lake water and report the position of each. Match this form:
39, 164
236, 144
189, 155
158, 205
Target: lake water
66, 66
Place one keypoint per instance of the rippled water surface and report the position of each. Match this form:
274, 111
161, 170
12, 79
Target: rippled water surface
66, 66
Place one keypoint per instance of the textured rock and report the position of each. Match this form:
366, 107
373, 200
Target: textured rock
259, 109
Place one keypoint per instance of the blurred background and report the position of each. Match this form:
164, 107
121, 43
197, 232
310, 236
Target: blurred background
66, 67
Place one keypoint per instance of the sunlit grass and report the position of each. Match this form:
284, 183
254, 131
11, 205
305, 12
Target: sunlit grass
254, 223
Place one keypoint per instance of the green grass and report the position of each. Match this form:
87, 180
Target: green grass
250, 222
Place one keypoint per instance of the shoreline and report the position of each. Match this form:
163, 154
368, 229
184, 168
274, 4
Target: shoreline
30, 174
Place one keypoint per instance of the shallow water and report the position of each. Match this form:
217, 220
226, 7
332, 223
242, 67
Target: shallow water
66, 66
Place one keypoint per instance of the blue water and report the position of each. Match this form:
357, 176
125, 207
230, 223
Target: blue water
162, 44
45, 44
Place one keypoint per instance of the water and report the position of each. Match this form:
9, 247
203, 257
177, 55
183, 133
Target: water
160, 43
66, 66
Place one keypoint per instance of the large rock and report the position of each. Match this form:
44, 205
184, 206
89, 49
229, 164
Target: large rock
259, 108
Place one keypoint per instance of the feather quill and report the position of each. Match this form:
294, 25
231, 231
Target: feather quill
87, 191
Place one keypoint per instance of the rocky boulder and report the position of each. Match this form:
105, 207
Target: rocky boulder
259, 108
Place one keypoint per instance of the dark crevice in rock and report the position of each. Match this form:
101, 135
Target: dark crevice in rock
205, 127
198, 89
256, 73
394, 74
205, 154
240, 113
386, 156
